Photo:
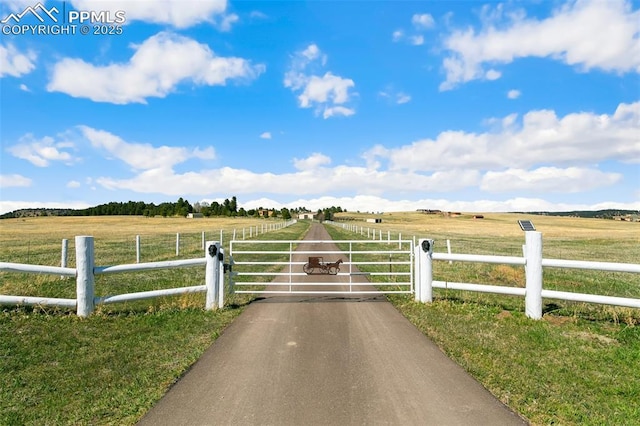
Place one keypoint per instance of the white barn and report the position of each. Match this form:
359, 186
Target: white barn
306, 215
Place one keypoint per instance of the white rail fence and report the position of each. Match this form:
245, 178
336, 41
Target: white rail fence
533, 292
244, 233
423, 257
86, 270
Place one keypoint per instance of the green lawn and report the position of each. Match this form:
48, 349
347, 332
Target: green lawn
579, 365
109, 368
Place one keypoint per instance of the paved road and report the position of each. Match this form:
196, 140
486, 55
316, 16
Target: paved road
323, 360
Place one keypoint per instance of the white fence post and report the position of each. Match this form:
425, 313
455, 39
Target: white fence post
533, 273
137, 248
211, 274
449, 249
426, 270
63, 255
204, 243
178, 244
85, 280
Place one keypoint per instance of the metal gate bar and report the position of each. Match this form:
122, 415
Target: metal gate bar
391, 261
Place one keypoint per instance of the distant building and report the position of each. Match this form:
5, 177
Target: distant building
375, 220
195, 216
306, 215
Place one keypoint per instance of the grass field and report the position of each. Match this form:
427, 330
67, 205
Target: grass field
579, 365
110, 368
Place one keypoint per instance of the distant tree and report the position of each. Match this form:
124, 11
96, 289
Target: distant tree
233, 205
215, 208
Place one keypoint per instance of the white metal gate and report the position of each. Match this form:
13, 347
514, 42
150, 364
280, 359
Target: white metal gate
367, 267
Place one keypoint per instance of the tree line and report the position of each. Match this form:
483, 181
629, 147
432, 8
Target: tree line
182, 207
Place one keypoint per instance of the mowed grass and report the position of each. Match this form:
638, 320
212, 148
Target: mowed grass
579, 365
111, 367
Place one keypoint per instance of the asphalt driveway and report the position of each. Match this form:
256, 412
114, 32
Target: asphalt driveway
326, 360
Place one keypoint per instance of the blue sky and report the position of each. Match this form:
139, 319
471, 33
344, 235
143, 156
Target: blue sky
368, 105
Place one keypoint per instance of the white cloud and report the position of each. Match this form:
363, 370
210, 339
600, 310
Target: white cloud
403, 98
513, 94
308, 181
371, 203
14, 180
313, 162
538, 138
516, 157
265, 135
329, 88
493, 75
336, 111
73, 184
312, 52
24, 88
158, 65
15, 63
536, 153
396, 97
226, 22
588, 34
548, 179
143, 156
256, 14
422, 21
41, 152
172, 12
417, 40
327, 93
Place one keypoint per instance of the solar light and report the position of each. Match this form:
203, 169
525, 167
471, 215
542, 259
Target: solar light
526, 225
